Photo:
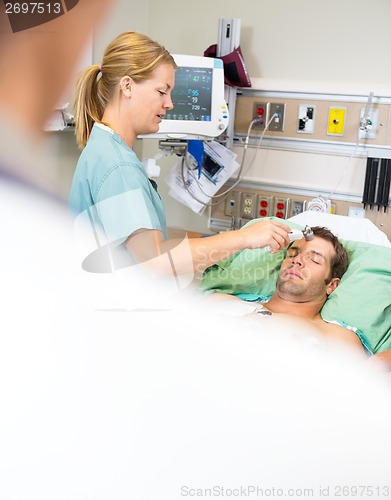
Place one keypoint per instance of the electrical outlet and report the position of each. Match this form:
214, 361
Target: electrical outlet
278, 109
306, 119
248, 205
265, 206
232, 204
296, 207
260, 112
281, 208
336, 121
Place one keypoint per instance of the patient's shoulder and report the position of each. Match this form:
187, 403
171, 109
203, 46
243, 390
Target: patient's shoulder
337, 333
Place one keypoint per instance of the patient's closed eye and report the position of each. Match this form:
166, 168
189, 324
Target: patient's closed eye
315, 257
309, 255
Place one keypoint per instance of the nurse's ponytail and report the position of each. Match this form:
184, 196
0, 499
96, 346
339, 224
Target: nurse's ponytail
88, 107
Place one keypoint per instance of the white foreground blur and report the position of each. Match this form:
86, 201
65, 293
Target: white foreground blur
115, 387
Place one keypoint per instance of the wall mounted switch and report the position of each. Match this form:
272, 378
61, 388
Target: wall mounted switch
277, 112
306, 119
260, 113
232, 204
336, 121
368, 124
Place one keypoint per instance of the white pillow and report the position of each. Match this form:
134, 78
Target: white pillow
348, 228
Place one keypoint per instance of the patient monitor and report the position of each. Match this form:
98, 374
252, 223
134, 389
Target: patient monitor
200, 110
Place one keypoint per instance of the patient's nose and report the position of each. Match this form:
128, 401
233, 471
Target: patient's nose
298, 260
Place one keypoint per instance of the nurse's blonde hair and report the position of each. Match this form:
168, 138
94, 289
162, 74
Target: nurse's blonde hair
132, 54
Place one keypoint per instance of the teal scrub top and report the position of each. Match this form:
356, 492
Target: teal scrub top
110, 186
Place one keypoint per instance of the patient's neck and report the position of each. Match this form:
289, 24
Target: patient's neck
305, 309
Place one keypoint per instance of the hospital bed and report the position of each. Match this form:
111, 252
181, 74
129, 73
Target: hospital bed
363, 298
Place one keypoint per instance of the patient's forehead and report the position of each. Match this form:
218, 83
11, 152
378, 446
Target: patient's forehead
317, 244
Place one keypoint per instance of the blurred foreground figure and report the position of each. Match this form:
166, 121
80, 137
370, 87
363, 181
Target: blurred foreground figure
110, 391
36, 67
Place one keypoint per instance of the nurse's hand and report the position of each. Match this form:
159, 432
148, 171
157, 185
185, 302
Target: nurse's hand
265, 233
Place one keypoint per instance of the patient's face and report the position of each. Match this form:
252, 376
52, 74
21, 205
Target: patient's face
304, 272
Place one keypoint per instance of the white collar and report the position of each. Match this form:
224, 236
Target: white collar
104, 127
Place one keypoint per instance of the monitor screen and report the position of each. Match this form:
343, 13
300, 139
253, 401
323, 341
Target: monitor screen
200, 110
192, 94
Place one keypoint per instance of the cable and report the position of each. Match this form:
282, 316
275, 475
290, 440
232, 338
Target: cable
365, 120
346, 167
239, 176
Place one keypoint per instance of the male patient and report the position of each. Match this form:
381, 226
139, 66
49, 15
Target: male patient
310, 272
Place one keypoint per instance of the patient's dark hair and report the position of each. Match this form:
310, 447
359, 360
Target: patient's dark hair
340, 260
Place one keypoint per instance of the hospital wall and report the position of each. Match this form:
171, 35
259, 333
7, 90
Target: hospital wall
334, 46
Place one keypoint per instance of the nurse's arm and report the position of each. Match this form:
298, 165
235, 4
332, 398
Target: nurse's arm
196, 254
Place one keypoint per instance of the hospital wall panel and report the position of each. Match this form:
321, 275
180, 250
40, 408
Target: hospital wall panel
322, 104
220, 221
